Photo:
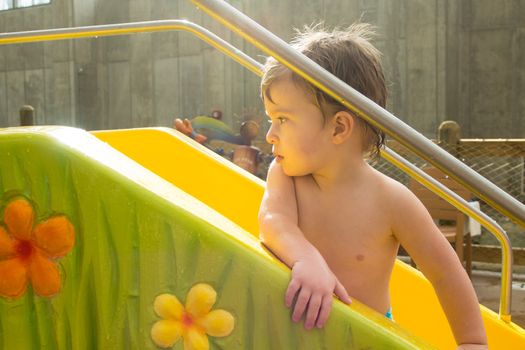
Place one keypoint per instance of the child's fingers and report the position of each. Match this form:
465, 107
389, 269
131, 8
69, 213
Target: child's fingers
313, 310
341, 293
324, 312
293, 287
300, 304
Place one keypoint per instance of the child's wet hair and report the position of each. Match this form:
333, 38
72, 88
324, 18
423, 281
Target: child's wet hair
349, 55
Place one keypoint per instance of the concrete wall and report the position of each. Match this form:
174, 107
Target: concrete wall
39, 74
444, 59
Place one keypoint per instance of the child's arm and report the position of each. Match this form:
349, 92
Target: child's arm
312, 280
417, 233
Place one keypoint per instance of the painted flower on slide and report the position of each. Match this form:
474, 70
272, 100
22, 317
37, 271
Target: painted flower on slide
193, 322
28, 252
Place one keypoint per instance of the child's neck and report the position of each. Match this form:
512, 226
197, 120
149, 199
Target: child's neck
341, 173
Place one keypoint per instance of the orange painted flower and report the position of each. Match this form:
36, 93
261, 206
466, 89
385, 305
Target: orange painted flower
27, 252
193, 322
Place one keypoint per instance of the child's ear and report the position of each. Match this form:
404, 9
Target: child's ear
343, 125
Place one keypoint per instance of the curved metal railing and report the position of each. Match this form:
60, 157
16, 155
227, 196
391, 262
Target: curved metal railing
133, 28
373, 113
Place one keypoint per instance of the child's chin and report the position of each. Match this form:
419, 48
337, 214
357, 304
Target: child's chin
287, 171
293, 172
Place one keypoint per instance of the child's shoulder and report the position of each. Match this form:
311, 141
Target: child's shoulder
388, 189
396, 198
385, 182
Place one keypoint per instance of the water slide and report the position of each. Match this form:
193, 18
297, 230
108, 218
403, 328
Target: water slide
142, 239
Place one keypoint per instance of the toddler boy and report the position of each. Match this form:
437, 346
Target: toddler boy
331, 217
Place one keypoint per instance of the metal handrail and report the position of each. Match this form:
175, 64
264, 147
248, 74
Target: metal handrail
462, 205
410, 138
131, 28
373, 113
256, 67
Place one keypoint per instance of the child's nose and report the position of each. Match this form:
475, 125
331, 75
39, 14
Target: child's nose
271, 137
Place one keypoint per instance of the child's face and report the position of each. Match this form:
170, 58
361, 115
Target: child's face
301, 141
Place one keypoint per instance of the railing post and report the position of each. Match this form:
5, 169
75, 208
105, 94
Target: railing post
27, 115
449, 137
449, 132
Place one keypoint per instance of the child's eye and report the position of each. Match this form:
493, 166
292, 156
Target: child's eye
280, 120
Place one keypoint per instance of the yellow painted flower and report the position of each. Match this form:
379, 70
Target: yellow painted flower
193, 322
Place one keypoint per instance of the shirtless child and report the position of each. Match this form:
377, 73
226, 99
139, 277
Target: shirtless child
331, 217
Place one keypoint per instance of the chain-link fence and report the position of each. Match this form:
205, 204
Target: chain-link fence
500, 161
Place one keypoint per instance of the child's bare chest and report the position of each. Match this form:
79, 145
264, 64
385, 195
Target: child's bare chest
352, 231
343, 227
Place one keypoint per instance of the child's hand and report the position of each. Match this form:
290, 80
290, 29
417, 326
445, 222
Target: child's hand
472, 347
314, 284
